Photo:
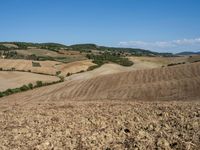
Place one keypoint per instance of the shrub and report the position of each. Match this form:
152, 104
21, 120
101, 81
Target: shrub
109, 57
92, 67
61, 78
36, 64
12, 69
81, 71
24, 88
30, 85
68, 74
9, 91
1, 94
38, 83
58, 72
16, 90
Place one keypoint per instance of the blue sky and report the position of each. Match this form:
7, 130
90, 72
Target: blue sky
160, 25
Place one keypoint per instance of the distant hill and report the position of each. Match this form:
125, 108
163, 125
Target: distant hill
134, 51
188, 53
80, 47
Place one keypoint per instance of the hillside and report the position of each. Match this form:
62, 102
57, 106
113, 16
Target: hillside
188, 53
140, 109
169, 83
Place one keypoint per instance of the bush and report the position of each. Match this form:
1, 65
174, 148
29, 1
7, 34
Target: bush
36, 64
12, 69
68, 74
16, 90
30, 85
62, 78
109, 57
174, 64
38, 83
58, 72
92, 67
1, 94
9, 91
24, 88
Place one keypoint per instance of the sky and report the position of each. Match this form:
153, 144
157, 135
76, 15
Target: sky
158, 25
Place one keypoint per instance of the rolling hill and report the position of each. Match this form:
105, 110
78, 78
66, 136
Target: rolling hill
180, 82
79, 47
141, 109
188, 53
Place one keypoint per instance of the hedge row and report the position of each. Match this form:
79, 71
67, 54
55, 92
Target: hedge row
30, 86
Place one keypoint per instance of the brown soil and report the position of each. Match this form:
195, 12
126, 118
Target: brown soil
143, 109
101, 125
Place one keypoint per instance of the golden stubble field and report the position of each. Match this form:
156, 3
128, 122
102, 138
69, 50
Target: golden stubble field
47, 67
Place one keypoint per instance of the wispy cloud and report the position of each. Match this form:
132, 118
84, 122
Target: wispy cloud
172, 46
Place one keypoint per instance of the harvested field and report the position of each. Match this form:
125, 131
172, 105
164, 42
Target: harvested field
180, 82
47, 67
155, 108
17, 79
71, 56
158, 61
45, 52
194, 58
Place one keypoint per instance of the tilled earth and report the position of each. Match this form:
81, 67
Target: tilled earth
105, 125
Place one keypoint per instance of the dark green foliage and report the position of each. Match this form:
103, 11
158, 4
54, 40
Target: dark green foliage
1, 94
2, 47
68, 74
92, 67
36, 64
16, 90
30, 85
38, 83
8, 91
133, 51
174, 64
109, 57
24, 88
62, 78
83, 47
58, 72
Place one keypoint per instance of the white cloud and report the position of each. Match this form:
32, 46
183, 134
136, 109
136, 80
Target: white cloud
171, 46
